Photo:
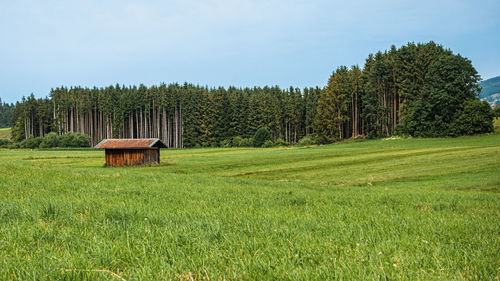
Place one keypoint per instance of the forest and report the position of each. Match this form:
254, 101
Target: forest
420, 90
5, 114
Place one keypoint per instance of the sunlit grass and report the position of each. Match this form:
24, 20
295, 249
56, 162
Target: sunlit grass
415, 209
5, 132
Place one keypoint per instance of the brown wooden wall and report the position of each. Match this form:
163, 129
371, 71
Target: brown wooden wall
132, 157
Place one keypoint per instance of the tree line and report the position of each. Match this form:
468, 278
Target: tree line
181, 115
420, 90
6, 111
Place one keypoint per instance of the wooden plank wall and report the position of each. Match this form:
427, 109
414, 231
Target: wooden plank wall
132, 157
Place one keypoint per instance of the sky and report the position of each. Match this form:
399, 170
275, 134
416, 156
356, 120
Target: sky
47, 44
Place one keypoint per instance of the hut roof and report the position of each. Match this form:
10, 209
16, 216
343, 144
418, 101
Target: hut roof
131, 144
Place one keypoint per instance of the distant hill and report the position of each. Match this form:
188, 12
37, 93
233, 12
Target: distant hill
491, 90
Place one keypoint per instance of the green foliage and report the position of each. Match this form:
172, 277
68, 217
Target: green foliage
307, 140
5, 143
417, 89
268, 143
74, 140
6, 111
246, 142
50, 140
64, 140
68, 140
496, 111
261, 136
323, 139
451, 82
475, 118
18, 130
54, 140
31, 143
333, 104
237, 141
226, 143
418, 209
281, 142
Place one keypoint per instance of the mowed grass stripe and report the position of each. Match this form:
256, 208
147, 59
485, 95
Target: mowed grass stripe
362, 170
342, 161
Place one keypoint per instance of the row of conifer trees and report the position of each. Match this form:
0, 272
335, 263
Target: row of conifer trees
181, 115
397, 91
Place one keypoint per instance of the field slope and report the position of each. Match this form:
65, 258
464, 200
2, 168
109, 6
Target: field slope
415, 209
5, 132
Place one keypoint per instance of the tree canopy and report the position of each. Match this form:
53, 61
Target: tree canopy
418, 89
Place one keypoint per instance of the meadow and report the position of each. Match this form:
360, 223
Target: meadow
412, 209
5, 132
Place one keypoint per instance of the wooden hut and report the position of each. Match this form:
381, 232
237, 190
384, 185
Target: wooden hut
131, 152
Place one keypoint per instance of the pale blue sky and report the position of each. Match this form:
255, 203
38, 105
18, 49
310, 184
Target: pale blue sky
46, 44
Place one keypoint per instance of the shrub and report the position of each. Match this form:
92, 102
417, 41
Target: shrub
13, 146
261, 136
268, 143
237, 141
74, 140
225, 143
281, 142
31, 143
50, 140
66, 140
5, 143
307, 140
323, 139
248, 142
81, 140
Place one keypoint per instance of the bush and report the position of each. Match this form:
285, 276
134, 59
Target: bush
225, 143
31, 143
268, 143
248, 142
81, 140
281, 142
74, 140
323, 139
13, 146
5, 143
66, 140
237, 141
261, 136
307, 140
50, 140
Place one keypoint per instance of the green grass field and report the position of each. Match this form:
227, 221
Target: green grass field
4, 132
414, 209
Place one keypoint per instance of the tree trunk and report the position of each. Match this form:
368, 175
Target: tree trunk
164, 135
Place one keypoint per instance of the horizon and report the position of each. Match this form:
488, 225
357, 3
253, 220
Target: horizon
223, 43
